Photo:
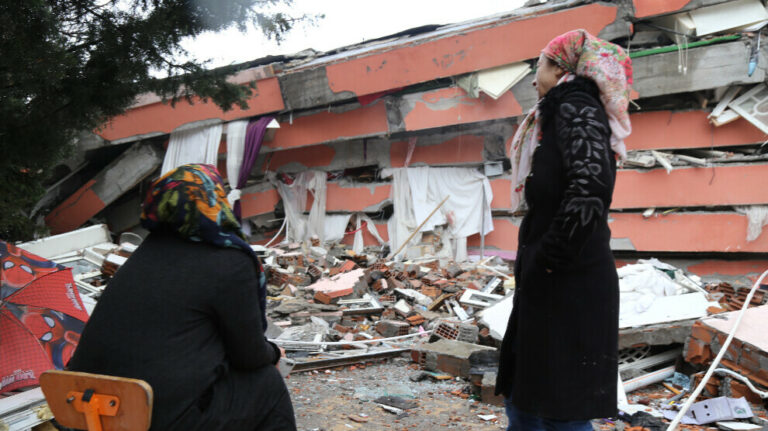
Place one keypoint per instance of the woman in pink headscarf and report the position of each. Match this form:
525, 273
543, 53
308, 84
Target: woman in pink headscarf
558, 365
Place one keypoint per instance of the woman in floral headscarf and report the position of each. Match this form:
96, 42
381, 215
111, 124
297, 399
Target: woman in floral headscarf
186, 314
558, 365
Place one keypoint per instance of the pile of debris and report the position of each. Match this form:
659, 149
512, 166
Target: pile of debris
338, 306
330, 307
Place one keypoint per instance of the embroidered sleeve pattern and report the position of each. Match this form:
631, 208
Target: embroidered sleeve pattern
584, 145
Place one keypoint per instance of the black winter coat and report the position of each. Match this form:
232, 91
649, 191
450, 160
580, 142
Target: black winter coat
180, 315
559, 353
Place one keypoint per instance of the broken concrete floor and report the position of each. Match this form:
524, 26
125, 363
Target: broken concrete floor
344, 399
332, 400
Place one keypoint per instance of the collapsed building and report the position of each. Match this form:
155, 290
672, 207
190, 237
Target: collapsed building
437, 102
395, 149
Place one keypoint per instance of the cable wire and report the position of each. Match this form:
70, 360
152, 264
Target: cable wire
719, 356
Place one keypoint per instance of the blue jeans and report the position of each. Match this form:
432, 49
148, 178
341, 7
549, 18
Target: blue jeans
521, 421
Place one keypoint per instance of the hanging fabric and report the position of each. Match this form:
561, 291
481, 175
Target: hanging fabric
402, 222
411, 147
417, 191
757, 218
189, 144
336, 226
464, 209
235, 149
359, 244
316, 184
254, 136
294, 197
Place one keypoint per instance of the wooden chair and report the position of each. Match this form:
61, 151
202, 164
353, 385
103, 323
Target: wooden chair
96, 402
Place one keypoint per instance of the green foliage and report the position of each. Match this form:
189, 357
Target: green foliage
68, 66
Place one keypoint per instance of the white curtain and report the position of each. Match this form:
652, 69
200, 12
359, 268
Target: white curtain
464, 210
316, 184
192, 145
402, 222
294, 198
235, 148
416, 192
300, 227
335, 226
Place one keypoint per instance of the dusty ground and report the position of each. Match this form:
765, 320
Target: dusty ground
342, 399
326, 400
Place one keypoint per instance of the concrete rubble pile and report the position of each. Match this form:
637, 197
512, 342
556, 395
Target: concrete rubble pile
656, 379
332, 307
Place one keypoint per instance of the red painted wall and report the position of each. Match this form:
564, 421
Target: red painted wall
667, 130
461, 149
161, 117
466, 52
75, 210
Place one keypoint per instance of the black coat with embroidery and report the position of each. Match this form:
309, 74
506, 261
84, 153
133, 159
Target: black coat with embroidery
559, 354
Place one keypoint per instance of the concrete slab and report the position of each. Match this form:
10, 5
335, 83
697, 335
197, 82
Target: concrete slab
751, 329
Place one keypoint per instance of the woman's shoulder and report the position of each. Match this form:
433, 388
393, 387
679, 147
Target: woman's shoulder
579, 91
169, 247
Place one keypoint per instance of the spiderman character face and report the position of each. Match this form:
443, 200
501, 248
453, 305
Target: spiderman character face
56, 332
19, 268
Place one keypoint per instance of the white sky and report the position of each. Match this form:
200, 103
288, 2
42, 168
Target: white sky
346, 22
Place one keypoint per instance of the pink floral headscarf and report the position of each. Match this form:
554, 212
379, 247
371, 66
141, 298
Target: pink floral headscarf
579, 54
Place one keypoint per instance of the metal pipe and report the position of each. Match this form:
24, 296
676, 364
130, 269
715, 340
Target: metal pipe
649, 379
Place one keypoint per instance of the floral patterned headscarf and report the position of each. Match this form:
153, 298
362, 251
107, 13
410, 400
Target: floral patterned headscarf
190, 202
579, 54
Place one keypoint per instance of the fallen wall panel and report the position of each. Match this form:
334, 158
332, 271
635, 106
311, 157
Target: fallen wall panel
683, 187
647, 8
450, 106
107, 186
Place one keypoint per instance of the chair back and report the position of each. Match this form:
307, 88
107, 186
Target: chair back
96, 402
